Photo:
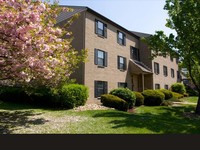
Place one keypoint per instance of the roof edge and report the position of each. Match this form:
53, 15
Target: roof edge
104, 18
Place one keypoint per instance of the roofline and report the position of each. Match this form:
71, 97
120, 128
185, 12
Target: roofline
104, 18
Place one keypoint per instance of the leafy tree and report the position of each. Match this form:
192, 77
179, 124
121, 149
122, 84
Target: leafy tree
33, 51
184, 18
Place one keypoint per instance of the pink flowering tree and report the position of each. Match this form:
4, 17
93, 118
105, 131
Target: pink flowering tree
32, 50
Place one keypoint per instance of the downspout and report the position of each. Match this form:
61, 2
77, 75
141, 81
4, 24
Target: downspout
142, 82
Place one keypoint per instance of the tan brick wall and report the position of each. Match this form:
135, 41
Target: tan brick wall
145, 54
110, 73
78, 43
160, 78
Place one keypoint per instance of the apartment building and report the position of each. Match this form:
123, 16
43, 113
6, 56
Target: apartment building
116, 56
165, 69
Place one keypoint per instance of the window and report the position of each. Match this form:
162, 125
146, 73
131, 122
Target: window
165, 73
122, 84
121, 61
157, 86
156, 68
100, 58
100, 28
121, 38
178, 76
100, 88
135, 53
172, 73
166, 87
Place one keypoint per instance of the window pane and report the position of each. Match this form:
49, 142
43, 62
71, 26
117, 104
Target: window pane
120, 35
100, 61
157, 86
100, 54
121, 63
156, 68
121, 66
122, 84
100, 25
121, 60
100, 32
135, 53
100, 88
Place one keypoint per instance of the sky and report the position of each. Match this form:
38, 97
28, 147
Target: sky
145, 16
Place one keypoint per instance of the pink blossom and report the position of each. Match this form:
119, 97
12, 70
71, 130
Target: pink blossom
31, 48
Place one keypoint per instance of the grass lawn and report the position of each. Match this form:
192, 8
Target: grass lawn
20, 119
190, 99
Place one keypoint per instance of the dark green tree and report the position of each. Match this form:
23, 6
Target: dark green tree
184, 18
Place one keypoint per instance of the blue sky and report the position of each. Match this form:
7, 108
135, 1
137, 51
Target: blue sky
136, 15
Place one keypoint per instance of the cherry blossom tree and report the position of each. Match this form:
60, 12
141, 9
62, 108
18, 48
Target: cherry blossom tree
32, 49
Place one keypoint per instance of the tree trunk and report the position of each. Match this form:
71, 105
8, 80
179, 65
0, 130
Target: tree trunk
197, 111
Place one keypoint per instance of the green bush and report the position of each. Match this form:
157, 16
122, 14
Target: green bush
177, 95
191, 91
166, 103
168, 94
185, 94
42, 96
13, 94
139, 99
125, 94
153, 97
113, 101
73, 95
178, 88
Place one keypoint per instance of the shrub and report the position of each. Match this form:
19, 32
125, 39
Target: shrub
41, 96
13, 94
139, 99
125, 94
177, 95
168, 94
113, 101
185, 94
191, 91
166, 103
178, 88
73, 95
153, 97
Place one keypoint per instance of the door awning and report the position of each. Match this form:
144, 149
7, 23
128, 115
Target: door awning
137, 67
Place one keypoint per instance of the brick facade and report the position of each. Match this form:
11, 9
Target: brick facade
138, 75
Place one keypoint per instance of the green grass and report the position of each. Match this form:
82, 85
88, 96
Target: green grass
25, 119
190, 99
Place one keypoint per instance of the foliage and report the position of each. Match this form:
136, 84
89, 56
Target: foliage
178, 88
13, 94
191, 91
168, 94
185, 94
184, 19
68, 96
125, 94
32, 50
139, 99
177, 95
153, 97
114, 102
166, 103
73, 95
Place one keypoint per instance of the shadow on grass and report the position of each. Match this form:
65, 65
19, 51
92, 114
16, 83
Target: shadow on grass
25, 106
10, 121
168, 120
